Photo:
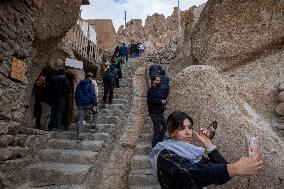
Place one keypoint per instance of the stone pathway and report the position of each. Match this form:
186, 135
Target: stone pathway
66, 164
140, 176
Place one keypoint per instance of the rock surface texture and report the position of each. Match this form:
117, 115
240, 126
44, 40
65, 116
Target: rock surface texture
207, 97
249, 30
105, 33
31, 31
157, 32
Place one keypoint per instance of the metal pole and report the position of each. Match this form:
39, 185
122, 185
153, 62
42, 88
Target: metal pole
179, 27
125, 19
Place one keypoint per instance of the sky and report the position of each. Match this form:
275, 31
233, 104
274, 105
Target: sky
136, 9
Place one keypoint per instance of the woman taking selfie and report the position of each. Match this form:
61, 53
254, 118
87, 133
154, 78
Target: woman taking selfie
180, 164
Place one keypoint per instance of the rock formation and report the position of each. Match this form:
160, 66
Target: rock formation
249, 30
183, 52
243, 41
135, 32
207, 97
30, 31
158, 31
105, 33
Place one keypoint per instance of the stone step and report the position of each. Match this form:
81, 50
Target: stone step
15, 164
68, 156
92, 145
102, 128
118, 101
45, 173
115, 96
143, 148
113, 119
142, 177
144, 187
140, 162
29, 186
87, 135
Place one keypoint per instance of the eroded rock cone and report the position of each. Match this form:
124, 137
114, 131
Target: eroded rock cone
202, 92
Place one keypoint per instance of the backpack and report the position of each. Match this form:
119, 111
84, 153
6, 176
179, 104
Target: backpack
107, 76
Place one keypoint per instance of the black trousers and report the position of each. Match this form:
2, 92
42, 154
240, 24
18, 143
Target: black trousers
159, 125
108, 92
117, 82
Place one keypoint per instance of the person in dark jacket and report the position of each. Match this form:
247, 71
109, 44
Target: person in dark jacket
59, 91
156, 110
116, 50
119, 65
179, 164
86, 100
124, 51
114, 68
164, 84
108, 81
154, 70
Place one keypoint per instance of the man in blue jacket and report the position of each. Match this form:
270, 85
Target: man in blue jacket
86, 100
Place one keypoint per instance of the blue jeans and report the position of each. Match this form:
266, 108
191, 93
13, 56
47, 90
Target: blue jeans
159, 124
57, 108
80, 119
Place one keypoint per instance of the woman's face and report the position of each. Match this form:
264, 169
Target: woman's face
184, 133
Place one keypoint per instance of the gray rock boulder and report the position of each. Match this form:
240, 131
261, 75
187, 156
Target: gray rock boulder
232, 33
281, 96
204, 94
280, 109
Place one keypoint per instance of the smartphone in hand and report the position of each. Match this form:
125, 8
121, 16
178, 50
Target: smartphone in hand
212, 129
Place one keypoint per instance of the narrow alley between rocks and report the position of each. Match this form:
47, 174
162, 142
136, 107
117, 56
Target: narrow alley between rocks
128, 103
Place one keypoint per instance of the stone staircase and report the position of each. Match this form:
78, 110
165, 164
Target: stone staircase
66, 164
140, 176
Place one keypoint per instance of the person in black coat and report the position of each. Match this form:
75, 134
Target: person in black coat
179, 164
156, 110
164, 84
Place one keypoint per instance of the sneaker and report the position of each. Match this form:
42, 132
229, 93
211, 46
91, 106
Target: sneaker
103, 105
80, 139
93, 130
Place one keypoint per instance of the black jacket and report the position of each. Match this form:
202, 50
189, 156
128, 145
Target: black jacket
154, 100
177, 172
60, 87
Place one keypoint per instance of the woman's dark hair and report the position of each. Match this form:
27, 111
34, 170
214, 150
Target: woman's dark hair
175, 121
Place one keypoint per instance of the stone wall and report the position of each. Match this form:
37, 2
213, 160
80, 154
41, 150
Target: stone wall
106, 38
31, 31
